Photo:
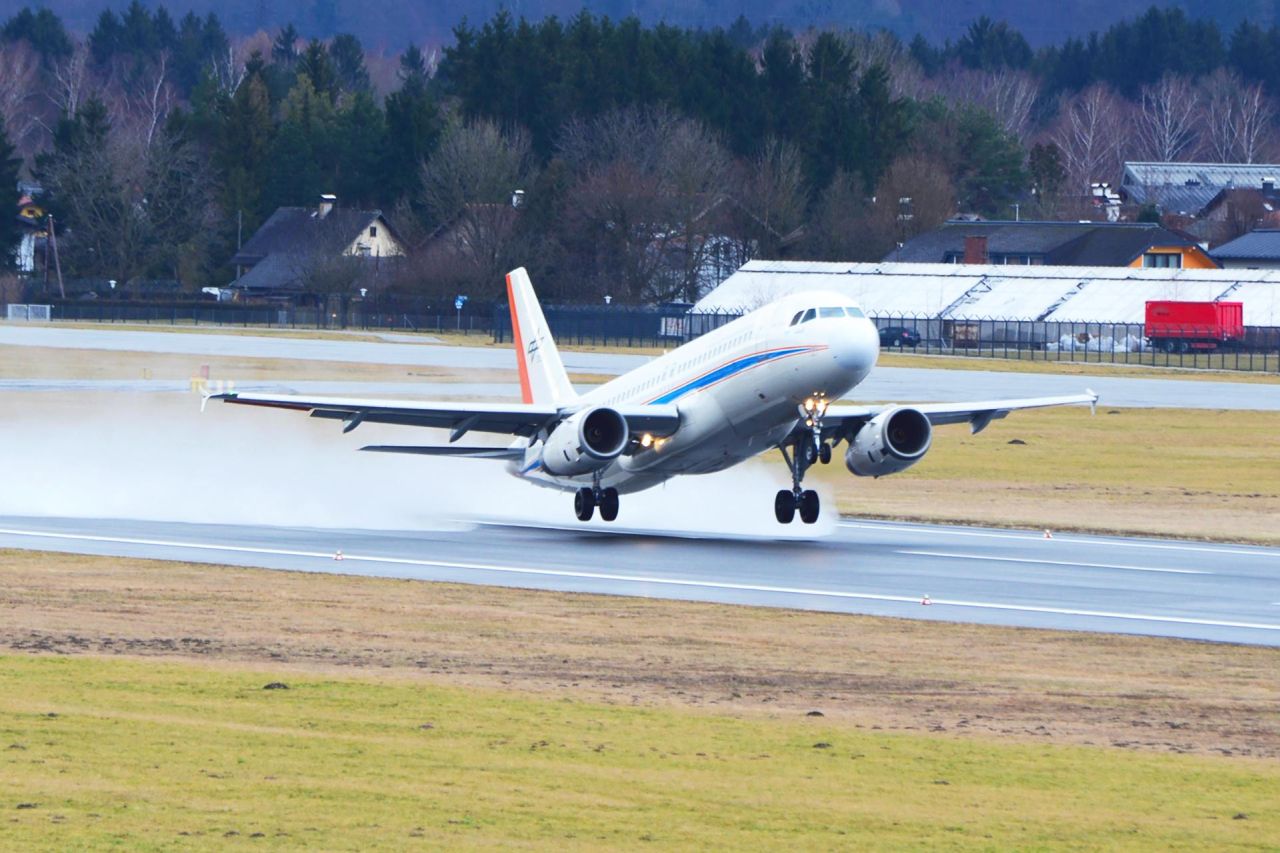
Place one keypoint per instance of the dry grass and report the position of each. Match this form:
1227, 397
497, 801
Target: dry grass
955, 680
1185, 473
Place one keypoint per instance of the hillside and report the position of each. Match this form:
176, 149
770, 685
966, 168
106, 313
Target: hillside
400, 21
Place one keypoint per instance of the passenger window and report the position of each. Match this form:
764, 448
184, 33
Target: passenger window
809, 315
796, 319
827, 313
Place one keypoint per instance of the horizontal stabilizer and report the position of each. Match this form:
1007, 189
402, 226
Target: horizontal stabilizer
463, 452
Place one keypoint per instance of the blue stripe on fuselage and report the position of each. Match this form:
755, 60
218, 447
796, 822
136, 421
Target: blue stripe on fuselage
730, 369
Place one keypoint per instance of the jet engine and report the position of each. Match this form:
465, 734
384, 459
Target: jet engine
585, 442
892, 441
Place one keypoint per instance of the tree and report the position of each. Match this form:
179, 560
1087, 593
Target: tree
990, 46
771, 199
347, 58
284, 50
1167, 119
10, 230
414, 126
467, 187
43, 30
1235, 120
1091, 134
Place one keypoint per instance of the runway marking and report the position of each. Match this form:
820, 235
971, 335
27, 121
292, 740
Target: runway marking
1074, 540
653, 580
985, 558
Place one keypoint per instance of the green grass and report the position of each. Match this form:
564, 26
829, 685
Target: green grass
147, 756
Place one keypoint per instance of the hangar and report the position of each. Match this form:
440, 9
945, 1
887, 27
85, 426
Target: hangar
1054, 294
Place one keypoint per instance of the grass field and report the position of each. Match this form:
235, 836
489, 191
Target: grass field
106, 753
952, 680
1186, 473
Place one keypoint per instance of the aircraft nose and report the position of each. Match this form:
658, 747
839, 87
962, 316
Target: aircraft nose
858, 349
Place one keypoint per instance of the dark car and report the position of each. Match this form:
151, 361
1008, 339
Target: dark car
899, 336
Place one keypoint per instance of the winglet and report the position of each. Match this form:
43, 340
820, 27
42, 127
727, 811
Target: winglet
1093, 404
542, 375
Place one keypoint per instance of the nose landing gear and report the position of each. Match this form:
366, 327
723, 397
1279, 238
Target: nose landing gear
802, 451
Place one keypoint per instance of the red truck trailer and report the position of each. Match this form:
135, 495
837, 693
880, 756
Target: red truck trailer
1183, 326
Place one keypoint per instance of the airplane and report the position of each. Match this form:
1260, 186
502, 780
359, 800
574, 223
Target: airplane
767, 380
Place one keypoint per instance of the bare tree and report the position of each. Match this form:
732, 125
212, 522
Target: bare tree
1167, 119
1237, 119
1009, 95
1092, 136
468, 187
70, 81
771, 199
19, 85
1255, 120
648, 205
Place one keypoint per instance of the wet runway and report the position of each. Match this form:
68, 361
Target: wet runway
1002, 577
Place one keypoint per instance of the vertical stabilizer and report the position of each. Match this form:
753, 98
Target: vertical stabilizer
542, 375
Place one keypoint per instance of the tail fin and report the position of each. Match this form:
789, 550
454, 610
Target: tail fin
542, 375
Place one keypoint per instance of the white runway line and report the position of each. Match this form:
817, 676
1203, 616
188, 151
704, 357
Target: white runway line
984, 558
1261, 551
651, 580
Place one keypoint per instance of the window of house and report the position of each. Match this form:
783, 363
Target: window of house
373, 230
1162, 260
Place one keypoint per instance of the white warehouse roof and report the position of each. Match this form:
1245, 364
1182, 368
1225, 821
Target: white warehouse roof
972, 291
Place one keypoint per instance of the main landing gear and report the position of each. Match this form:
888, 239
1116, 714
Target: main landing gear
801, 452
585, 501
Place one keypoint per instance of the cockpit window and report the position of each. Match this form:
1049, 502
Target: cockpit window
809, 315
827, 313
854, 312
796, 319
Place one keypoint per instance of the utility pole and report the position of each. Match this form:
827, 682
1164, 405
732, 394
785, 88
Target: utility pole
57, 264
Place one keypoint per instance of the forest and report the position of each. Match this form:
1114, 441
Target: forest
645, 154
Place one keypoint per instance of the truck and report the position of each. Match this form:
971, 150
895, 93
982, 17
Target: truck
1175, 326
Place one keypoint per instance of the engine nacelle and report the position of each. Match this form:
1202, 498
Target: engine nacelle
890, 442
586, 442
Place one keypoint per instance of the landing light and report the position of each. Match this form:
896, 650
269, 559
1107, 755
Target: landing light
646, 440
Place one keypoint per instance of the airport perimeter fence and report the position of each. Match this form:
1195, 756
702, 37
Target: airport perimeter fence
373, 315
1038, 340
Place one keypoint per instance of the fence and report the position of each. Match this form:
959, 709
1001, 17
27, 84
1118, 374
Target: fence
28, 312
354, 314
625, 326
1092, 342
1192, 346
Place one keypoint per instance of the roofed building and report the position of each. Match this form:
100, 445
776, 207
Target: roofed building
1187, 188
1099, 244
1257, 250
324, 248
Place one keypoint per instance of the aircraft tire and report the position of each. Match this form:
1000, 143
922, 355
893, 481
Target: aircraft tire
608, 504
784, 507
809, 506
584, 504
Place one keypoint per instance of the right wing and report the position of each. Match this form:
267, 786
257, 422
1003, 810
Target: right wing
846, 420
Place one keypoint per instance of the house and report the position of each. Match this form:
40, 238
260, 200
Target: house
1257, 250
1091, 244
324, 249
1187, 188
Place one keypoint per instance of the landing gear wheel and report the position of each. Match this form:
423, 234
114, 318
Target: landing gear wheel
810, 453
608, 504
809, 506
584, 504
824, 454
784, 506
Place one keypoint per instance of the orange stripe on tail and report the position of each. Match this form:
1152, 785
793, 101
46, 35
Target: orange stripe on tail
526, 391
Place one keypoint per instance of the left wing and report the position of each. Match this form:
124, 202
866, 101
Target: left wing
845, 420
524, 419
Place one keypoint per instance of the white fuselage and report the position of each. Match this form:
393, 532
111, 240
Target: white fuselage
738, 389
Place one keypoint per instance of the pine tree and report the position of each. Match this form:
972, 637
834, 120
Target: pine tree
10, 230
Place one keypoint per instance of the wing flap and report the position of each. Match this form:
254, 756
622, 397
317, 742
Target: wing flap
501, 453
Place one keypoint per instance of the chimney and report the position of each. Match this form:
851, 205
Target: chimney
327, 201
975, 250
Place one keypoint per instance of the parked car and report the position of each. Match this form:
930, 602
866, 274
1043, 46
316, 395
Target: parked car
899, 336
